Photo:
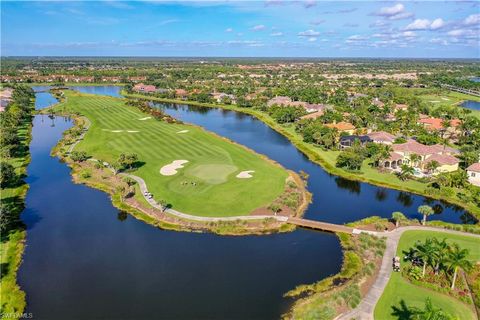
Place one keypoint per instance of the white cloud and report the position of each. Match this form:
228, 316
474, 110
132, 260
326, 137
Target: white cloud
229, 30
259, 27
309, 3
472, 19
437, 24
309, 33
419, 24
391, 11
396, 12
276, 34
425, 24
312, 39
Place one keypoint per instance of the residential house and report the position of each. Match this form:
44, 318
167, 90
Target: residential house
402, 154
473, 173
220, 97
436, 124
378, 103
313, 115
400, 107
181, 93
342, 126
382, 137
144, 88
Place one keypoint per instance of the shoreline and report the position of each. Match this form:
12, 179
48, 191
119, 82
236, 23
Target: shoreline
308, 150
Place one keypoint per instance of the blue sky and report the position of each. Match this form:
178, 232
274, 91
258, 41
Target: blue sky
273, 28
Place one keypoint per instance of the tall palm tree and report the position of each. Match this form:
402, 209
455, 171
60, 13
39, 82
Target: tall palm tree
425, 211
414, 159
425, 251
398, 216
457, 258
441, 253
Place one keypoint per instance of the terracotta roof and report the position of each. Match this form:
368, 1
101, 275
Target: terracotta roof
442, 159
474, 167
341, 126
381, 136
436, 123
313, 115
394, 156
421, 149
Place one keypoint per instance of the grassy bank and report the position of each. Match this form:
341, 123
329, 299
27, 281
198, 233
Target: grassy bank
402, 295
327, 159
12, 241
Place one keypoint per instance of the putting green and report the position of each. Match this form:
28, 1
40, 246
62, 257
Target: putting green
205, 186
212, 173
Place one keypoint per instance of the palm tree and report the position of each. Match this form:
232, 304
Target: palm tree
406, 172
425, 211
414, 158
432, 166
457, 258
398, 216
430, 313
425, 251
441, 253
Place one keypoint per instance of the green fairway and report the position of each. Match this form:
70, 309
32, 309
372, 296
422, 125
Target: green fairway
399, 291
449, 99
206, 185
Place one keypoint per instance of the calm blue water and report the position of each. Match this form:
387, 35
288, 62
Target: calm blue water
475, 79
113, 91
44, 99
85, 259
473, 105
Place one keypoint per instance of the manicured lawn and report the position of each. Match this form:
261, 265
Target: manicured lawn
400, 291
207, 185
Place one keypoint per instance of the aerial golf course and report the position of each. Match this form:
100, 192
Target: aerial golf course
195, 171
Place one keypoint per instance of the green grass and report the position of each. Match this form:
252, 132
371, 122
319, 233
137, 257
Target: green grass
12, 243
213, 161
449, 99
398, 289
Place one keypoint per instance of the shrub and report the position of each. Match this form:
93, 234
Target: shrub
85, 174
78, 156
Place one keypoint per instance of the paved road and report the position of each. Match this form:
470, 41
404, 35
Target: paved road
80, 137
365, 309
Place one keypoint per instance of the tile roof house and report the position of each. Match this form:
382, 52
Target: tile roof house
342, 127
445, 156
473, 173
144, 88
382, 137
181, 93
434, 124
313, 115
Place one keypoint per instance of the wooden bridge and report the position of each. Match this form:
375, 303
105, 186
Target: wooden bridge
317, 225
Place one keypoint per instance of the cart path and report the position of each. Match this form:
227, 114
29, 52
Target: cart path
364, 311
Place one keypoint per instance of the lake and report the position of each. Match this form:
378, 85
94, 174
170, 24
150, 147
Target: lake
85, 259
470, 104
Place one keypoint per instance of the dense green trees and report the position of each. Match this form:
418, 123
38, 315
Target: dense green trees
286, 114
7, 174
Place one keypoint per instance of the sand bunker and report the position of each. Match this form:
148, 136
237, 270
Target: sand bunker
183, 131
116, 131
434, 101
146, 118
446, 99
171, 169
245, 174
132, 131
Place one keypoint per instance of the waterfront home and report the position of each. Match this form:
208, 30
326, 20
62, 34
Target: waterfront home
342, 126
181, 93
144, 88
473, 173
221, 97
382, 137
403, 154
348, 141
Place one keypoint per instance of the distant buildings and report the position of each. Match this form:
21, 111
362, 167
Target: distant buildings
5, 98
287, 101
382, 137
348, 141
473, 173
